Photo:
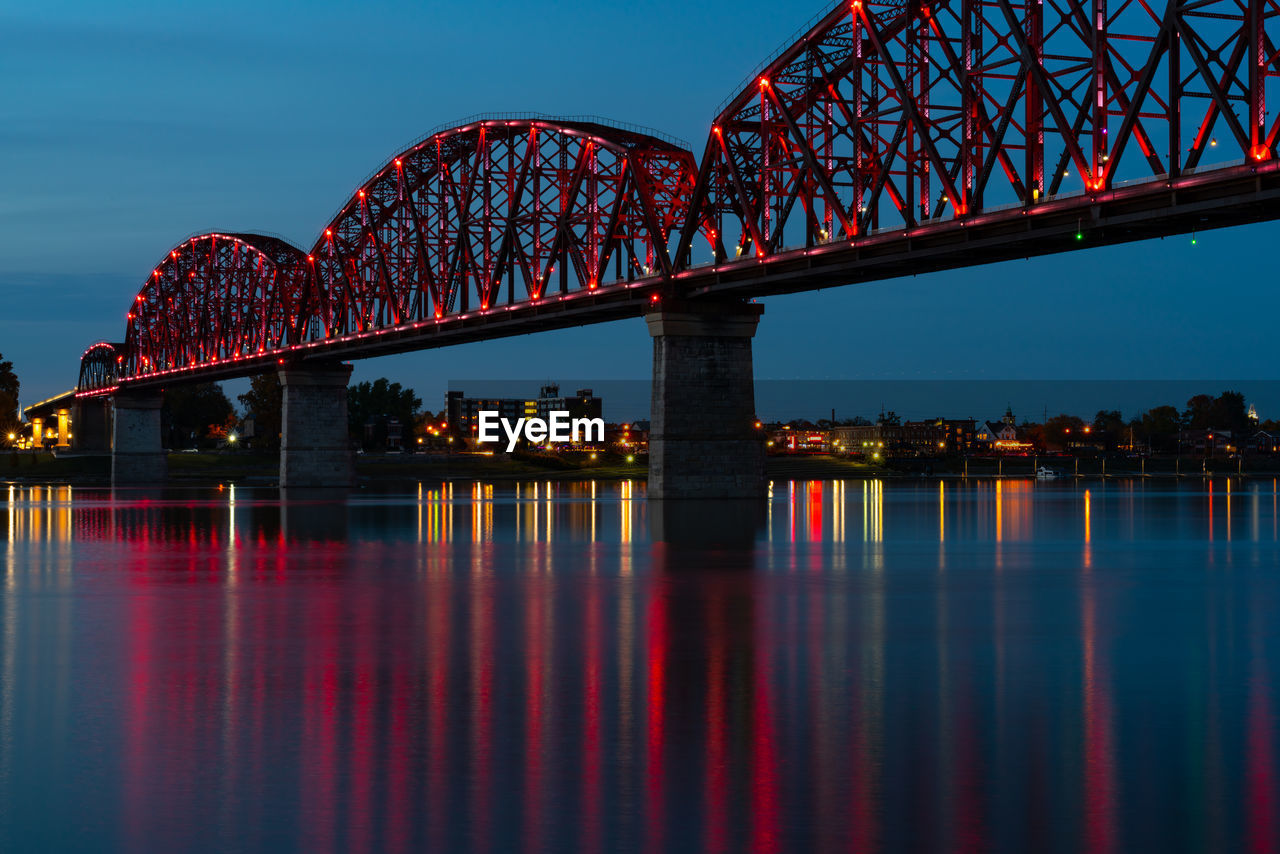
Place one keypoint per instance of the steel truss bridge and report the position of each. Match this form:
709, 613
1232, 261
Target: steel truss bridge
890, 138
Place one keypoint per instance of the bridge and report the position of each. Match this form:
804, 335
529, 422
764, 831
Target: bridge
889, 138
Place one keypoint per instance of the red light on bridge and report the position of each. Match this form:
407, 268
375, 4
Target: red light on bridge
1259, 152
764, 82
328, 232
398, 164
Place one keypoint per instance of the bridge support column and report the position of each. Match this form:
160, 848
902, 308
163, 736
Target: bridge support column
314, 449
702, 439
136, 454
92, 419
64, 428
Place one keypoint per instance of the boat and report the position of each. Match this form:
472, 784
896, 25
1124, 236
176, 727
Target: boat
1046, 473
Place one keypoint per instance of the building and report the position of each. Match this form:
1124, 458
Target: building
1001, 436
583, 404
383, 433
928, 437
1206, 443
913, 438
800, 440
631, 438
1265, 442
462, 413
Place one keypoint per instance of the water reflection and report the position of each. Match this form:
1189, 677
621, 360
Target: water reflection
566, 666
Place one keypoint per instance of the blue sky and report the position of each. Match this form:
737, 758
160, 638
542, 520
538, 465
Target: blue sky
126, 127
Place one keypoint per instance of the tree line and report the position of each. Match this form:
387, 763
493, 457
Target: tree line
9, 386
201, 415
1157, 429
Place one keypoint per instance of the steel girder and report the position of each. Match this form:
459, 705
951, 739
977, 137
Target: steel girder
893, 137
893, 115
498, 213
218, 298
100, 369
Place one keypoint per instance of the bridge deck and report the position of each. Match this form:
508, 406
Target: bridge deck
1224, 197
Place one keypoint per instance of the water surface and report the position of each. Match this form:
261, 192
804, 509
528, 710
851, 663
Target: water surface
861, 665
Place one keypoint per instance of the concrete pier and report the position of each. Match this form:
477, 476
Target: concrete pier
136, 453
92, 419
702, 440
314, 448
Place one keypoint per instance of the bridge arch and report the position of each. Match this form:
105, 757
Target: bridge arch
216, 298
100, 368
498, 211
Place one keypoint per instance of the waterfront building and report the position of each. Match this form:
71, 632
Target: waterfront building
462, 413
928, 437
583, 404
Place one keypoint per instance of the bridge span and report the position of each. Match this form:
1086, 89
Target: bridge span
888, 139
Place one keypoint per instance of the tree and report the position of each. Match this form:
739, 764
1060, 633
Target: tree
380, 399
9, 387
264, 401
1159, 427
1109, 428
1225, 412
1059, 429
192, 413
1229, 412
1032, 432
1199, 413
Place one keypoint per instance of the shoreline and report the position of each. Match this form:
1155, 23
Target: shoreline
262, 469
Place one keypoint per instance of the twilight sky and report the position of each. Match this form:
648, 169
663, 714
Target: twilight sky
126, 127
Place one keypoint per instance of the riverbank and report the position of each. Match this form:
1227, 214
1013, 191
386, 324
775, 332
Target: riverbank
249, 467
264, 468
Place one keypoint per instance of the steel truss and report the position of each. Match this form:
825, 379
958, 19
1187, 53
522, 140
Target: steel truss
892, 137
892, 115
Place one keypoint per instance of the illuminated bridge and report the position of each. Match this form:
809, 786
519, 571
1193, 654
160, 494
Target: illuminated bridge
890, 138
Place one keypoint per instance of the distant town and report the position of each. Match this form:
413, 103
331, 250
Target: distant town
387, 418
